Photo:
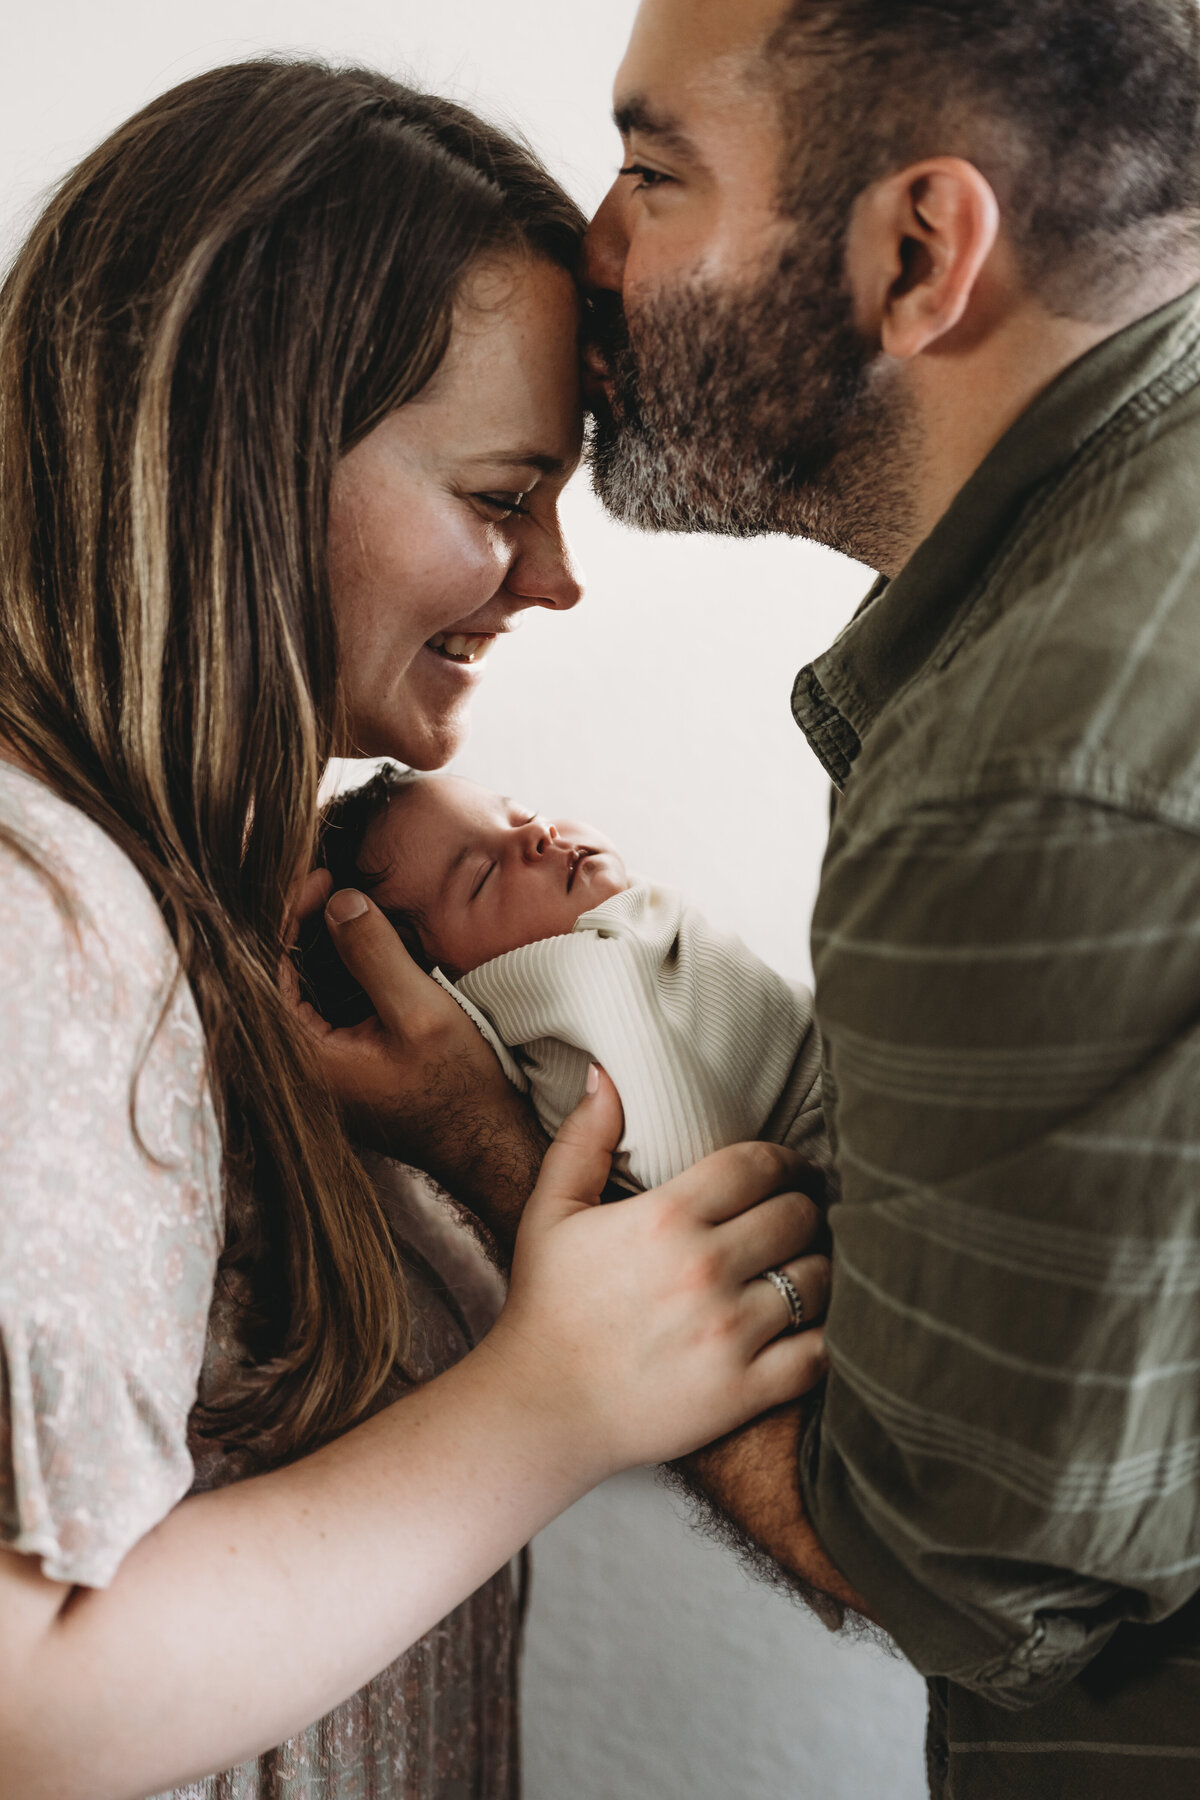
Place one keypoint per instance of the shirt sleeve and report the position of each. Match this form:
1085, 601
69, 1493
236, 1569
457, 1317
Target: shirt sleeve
110, 1219
1007, 1464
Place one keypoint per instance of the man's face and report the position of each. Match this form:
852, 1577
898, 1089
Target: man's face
732, 390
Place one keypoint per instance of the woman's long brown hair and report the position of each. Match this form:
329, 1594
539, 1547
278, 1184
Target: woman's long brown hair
223, 297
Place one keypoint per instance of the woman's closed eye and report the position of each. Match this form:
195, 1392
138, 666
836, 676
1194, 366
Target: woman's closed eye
505, 506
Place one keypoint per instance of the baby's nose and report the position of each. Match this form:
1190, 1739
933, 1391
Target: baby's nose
539, 835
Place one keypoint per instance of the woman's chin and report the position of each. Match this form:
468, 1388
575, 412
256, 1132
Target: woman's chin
417, 736
426, 756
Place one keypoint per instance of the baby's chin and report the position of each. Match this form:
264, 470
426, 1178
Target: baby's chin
598, 879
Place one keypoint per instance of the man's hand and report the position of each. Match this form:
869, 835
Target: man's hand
418, 1081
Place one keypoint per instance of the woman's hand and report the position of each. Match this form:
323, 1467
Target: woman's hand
643, 1324
418, 1081
634, 1332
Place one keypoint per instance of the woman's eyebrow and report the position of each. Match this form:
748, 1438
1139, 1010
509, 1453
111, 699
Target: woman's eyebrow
540, 460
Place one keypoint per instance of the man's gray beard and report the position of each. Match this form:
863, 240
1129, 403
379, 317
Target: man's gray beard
745, 413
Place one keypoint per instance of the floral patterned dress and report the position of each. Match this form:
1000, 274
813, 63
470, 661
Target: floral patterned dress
111, 1320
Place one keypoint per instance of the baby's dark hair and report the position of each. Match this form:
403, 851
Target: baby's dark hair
324, 977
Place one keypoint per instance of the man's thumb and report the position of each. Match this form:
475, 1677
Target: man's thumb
577, 1164
371, 949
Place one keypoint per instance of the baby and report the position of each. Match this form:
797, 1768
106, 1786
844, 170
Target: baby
535, 928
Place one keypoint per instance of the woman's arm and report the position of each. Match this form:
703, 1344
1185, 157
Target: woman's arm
631, 1333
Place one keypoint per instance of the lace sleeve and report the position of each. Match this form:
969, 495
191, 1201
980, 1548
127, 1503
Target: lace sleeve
110, 1219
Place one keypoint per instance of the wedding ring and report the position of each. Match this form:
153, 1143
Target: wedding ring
788, 1292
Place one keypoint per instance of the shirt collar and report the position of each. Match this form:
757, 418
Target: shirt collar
900, 624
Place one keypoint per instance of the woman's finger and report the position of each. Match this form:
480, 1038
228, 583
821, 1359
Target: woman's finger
770, 1233
579, 1161
731, 1180
788, 1368
768, 1312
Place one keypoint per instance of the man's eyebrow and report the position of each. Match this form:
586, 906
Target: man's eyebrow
637, 114
524, 459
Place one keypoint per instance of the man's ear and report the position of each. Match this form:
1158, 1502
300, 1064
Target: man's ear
917, 243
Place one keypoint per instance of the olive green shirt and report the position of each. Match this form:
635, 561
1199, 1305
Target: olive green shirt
1007, 953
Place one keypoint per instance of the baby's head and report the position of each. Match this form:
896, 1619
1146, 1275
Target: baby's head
462, 873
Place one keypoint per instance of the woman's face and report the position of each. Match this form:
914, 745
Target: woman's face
443, 520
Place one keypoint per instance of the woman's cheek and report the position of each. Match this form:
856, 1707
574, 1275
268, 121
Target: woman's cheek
486, 551
456, 562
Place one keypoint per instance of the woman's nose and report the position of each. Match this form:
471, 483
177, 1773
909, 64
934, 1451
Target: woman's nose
545, 572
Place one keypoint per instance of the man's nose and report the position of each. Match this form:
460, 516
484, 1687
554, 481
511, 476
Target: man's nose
606, 245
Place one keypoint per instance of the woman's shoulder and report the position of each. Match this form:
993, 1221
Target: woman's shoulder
63, 872
94, 999
110, 1204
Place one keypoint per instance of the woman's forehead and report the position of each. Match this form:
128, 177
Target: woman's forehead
509, 385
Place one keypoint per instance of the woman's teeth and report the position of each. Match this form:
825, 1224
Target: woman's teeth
458, 647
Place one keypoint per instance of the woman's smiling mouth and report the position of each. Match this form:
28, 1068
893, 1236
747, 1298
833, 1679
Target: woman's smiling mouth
459, 647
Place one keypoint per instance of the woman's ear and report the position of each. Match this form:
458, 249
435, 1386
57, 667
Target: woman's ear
916, 246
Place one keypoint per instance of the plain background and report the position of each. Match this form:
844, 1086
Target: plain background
658, 710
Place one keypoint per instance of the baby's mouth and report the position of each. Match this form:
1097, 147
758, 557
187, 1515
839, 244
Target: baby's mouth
577, 858
460, 648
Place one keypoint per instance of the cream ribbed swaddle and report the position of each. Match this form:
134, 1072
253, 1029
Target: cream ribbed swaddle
706, 1044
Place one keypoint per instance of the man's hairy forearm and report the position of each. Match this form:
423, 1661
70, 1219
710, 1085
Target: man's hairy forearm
500, 1178
486, 1155
749, 1486
490, 1164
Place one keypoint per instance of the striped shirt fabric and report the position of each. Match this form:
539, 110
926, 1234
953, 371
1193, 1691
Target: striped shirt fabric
1007, 953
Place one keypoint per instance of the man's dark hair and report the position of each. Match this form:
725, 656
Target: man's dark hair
324, 977
1083, 114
